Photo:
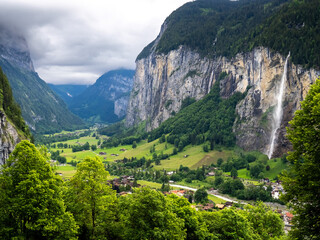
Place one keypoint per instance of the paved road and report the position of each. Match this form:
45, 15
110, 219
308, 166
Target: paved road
194, 189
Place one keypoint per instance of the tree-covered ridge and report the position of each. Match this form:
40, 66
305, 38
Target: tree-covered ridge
9, 106
209, 119
214, 27
294, 28
225, 28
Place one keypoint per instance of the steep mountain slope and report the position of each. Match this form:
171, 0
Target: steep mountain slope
12, 126
207, 38
41, 108
107, 99
67, 91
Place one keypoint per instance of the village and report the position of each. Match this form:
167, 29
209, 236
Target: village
125, 184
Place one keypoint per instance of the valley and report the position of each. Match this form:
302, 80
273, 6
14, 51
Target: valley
214, 135
147, 159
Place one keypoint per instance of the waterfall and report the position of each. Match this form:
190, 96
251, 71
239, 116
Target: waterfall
277, 113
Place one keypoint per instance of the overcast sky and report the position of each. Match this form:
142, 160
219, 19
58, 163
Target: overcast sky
76, 41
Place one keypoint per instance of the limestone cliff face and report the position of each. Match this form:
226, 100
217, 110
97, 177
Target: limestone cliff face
163, 81
9, 138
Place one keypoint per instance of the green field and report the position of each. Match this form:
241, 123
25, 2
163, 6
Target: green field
215, 199
276, 166
196, 158
67, 171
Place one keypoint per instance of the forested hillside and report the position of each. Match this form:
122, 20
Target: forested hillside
225, 28
209, 119
10, 107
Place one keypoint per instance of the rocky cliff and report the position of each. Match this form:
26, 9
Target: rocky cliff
162, 81
9, 138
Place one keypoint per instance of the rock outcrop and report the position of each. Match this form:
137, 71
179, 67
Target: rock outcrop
9, 138
163, 81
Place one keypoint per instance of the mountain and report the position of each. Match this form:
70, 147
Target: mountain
43, 110
68, 91
106, 100
206, 39
12, 126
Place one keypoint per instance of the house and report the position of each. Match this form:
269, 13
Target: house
220, 206
289, 217
102, 153
210, 174
179, 193
123, 149
208, 206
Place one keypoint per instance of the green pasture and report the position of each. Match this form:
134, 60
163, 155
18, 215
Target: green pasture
276, 167
67, 171
196, 158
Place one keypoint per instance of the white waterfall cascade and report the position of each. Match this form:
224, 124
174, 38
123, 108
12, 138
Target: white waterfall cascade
278, 111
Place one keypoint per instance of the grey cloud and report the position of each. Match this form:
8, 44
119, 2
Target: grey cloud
72, 42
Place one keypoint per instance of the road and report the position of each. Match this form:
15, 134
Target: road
194, 189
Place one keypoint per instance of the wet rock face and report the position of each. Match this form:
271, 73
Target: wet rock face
9, 138
163, 81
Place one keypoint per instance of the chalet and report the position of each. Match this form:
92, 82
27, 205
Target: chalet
102, 153
220, 206
122, 149
185, 156
211, 174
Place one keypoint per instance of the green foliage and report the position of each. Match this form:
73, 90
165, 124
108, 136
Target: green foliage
210, 119
225, 28
10, 107
214, 27
294, 28
147, 215
201, 196
31, 204
90, 199
302, 181
234, 173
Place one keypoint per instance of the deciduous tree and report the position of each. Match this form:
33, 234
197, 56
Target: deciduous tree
90, 198
31, 203
302, 182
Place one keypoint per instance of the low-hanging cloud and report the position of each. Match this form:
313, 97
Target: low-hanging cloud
76, 41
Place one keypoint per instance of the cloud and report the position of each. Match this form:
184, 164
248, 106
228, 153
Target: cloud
76, 41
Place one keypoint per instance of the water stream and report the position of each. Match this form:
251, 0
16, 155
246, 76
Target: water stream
278, 111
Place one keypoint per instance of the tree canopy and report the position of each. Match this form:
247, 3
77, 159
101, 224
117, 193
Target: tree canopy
31, 203
9, 106
302, 181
